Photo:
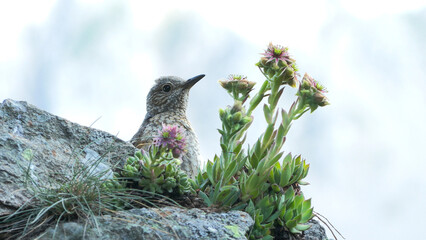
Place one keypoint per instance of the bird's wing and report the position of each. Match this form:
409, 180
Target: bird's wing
186, 125
137, 138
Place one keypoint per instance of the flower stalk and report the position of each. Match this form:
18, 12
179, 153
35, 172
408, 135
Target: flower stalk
261, 181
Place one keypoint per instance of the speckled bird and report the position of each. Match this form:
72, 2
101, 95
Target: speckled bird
166, 103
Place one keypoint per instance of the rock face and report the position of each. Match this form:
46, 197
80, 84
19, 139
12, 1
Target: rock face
316, 232
36, 143
45, 145
164, 223
54, 143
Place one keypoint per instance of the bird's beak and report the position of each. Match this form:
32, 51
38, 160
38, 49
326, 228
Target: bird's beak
190, 82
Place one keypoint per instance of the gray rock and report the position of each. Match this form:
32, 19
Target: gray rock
163, 223
315, 232
53, 145
44, 146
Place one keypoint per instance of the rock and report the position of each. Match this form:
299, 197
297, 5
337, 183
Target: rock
163, 223
52, 145
315, 232
46, 147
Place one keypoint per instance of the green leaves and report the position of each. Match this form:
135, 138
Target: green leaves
225, 196
261, 180
211, 170
156, 171
291, 171
297, 212
252, 185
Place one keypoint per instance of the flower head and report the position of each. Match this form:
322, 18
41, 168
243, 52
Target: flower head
277, 54
171, 138
312, 92
237, 81
310, 82
238, 86
276, 64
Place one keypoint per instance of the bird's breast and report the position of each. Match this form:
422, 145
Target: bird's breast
155, 124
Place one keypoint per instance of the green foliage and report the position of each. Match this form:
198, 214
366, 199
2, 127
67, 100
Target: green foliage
261, 180
291, 171
156, 171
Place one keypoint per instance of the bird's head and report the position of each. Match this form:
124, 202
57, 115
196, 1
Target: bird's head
170, 94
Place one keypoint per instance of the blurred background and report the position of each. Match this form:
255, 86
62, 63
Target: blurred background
84, 60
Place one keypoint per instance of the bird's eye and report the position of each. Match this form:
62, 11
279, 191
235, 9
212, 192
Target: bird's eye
167, 88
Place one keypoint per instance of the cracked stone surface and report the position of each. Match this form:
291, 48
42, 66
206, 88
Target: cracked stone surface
45, 144
164, 223
46, 147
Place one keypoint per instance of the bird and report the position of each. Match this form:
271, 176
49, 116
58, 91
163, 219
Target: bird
166, 103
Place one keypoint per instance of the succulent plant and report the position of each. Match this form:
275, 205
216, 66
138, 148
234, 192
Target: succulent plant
237, 86
312, 93
157, 170
276, 63
112, 184
291, 171
261, 180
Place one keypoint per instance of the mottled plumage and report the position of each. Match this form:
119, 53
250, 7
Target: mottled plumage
166, 103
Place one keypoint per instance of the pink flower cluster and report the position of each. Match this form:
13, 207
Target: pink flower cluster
171, 138
277, 53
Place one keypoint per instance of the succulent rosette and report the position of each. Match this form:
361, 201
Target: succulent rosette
157, 169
